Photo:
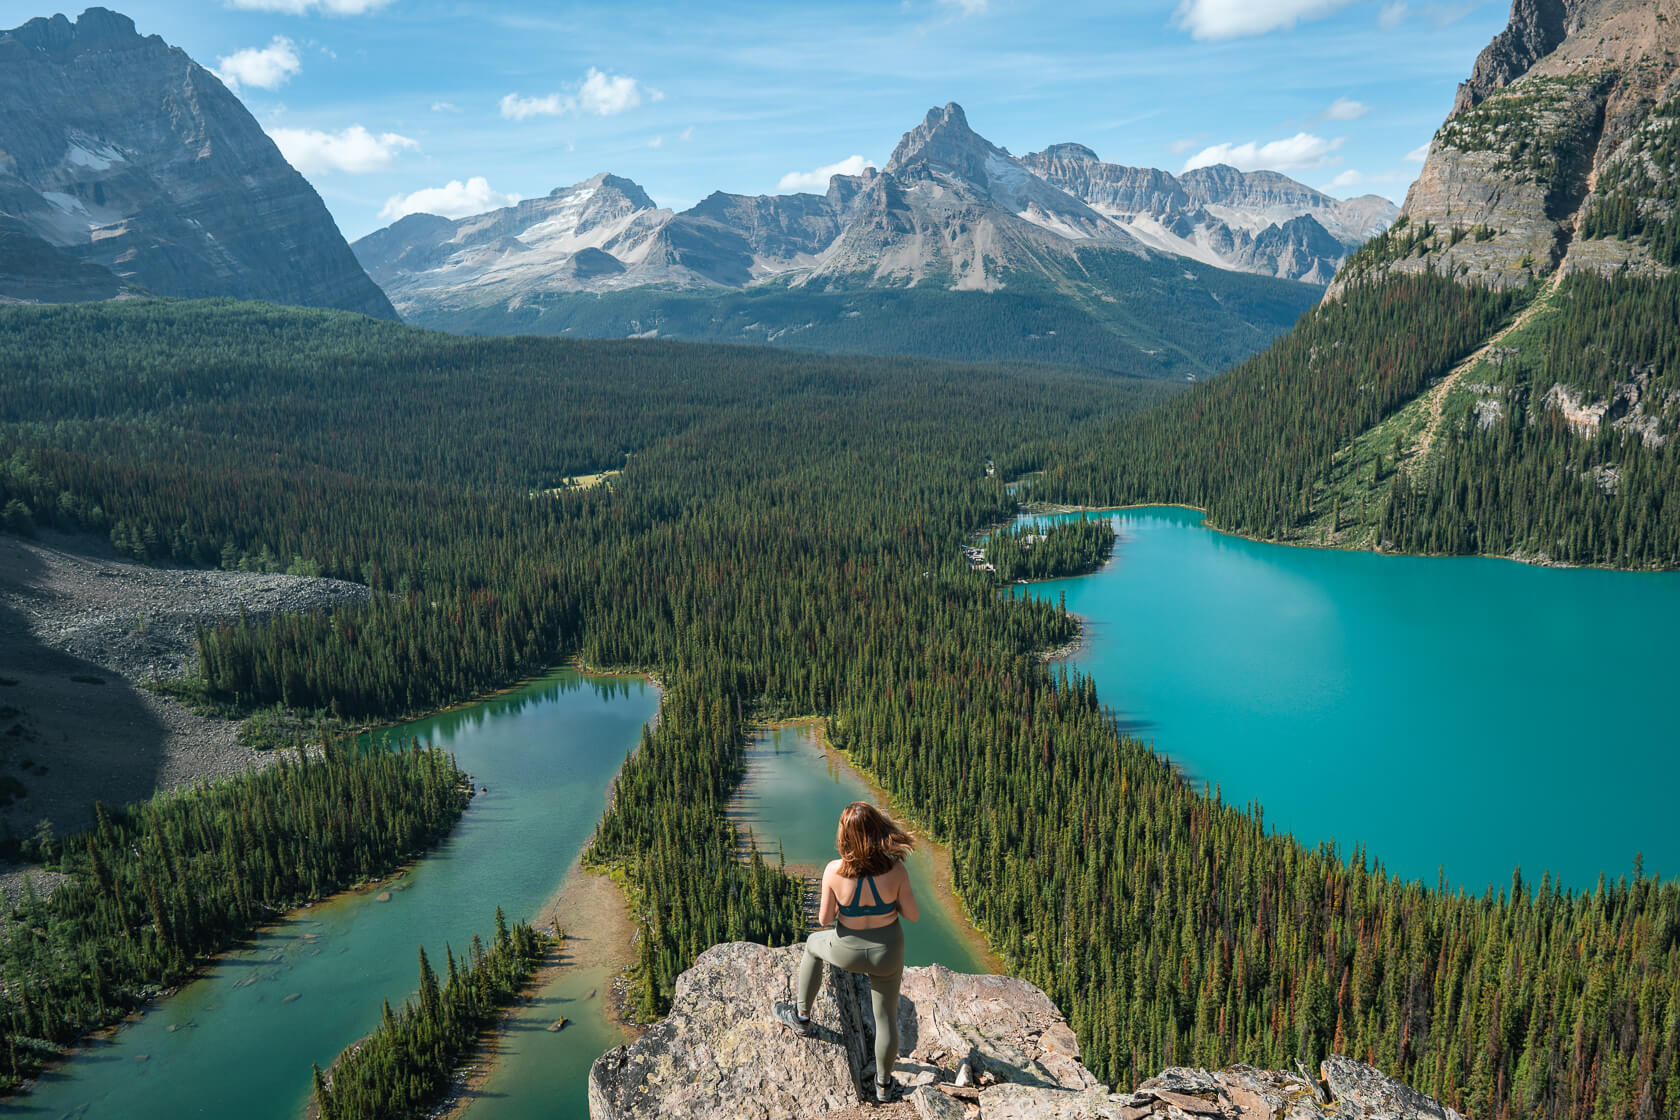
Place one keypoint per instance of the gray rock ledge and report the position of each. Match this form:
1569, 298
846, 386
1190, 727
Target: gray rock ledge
720, 1056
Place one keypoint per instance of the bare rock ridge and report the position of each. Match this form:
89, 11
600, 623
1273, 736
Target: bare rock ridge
1253, 221
719, 1056
949, 208
1535, 30
1557, 156
127, 168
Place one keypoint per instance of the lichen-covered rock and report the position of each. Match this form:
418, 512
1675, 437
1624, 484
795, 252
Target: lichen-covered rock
719, 1055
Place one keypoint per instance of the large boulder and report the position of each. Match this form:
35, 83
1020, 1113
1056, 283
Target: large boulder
970, 1048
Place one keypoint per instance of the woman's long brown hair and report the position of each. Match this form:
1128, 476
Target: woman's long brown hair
870, 842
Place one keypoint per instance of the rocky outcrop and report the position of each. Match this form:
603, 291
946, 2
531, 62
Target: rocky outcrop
971, 1048
1558, 125
1535, 30
125, 167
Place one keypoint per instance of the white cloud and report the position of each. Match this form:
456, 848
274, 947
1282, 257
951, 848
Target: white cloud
517, 108
1418, 154
818, 180
1179, 147
1393, 15
686, 134
303, 7
607, 95
1231, 19
1348, 178
967, 7
657, 142
603, 95
445, 107
262, 67
353, 149
454, 199
1303, 150
1345, 109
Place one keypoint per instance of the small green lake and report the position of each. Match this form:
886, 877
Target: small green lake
1459, 714
239, 1042
791, 799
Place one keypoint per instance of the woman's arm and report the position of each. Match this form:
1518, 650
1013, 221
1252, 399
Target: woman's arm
907, 896
828, 906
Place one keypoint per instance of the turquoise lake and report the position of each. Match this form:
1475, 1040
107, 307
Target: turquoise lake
1456, 715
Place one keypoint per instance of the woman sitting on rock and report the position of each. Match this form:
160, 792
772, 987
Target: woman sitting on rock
867, 938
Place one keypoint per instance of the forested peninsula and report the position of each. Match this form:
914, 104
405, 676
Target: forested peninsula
786, 538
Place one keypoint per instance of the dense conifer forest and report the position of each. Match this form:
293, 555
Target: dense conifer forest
1067, 548
786, 538
154, 889
403, 1069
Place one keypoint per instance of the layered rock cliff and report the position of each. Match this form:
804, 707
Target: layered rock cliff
125, 167
971, 1048
1558, 156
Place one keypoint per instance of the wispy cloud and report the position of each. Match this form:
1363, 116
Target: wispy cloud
1393, 15
1418, 154
267, 67
354, 149
1348, 178
304, 7
1232, 19
1180, 146
1303, 150
445, 107
601, 95
967, 7
454, 199
818, 180
1345, 109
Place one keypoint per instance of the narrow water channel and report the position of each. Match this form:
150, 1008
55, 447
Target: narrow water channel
239, 1041
792, 796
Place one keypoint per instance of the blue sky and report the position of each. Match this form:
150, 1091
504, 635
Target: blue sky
393, 105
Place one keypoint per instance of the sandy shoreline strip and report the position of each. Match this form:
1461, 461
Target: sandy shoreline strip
595, 916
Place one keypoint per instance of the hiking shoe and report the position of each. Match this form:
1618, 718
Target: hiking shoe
886, 1092
788, 1016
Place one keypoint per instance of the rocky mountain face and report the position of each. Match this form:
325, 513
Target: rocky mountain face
949, 209
127, 168
971, 1048
1254, 221
1558, 156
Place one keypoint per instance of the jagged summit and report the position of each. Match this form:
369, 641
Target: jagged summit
125, 167
60, 38
945, 141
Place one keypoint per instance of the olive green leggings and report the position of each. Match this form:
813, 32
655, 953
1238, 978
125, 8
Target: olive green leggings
879, 955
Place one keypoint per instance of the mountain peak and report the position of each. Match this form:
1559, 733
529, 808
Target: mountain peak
942, 140
59, 37
1071, 152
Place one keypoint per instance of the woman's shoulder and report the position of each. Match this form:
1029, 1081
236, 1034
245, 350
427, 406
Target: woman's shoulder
833, 867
